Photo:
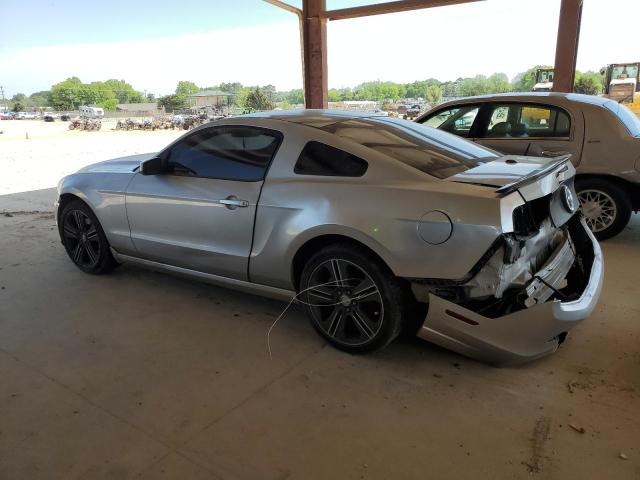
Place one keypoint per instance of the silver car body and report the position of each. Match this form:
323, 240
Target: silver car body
437, 234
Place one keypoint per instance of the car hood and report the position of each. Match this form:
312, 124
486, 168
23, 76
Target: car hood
503, 171
118, 165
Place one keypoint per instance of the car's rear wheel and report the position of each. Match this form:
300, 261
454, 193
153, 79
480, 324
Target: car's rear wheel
84, 240
605, 205
352, 300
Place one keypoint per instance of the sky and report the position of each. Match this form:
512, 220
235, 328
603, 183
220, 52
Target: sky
153, 45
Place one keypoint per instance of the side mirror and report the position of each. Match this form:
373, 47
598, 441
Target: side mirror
152, 166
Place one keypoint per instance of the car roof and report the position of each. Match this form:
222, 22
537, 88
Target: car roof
313, 117
532, 97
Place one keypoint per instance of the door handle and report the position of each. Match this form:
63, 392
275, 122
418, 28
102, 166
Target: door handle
232, 202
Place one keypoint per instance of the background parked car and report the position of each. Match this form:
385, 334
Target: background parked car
602, 136
50, 117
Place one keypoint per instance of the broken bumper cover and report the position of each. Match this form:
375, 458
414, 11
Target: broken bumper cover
516, 337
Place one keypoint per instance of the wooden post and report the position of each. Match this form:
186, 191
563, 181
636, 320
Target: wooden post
314, 53
567, 45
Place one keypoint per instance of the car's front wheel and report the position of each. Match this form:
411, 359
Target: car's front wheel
605, 205
84, 240
352, 299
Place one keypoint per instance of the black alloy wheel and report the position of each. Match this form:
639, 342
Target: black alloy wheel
352, 300
345, 302
84, 240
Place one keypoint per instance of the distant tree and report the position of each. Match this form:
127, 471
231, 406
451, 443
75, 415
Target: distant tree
379, 91
418, 89
71, 93
589, 83
477, 85
151, 98
295, 97
66, 94
258, 100
334, 95
498, 83
231, 87
186, 88
123, 91
433, 94
270, 92
241, 97
524, 81
40, 99
172, 102
346, 94
450, 89
109, 105
19, 97
18, 106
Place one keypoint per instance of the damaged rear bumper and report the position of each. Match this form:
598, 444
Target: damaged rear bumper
521, 336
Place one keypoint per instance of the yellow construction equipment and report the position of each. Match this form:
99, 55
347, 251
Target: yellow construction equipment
622, 84
544, 80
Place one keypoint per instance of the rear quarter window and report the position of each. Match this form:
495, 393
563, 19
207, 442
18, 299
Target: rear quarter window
429, 150
320, 159
629, 119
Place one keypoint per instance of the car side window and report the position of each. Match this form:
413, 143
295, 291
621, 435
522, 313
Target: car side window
320, 159
523, 121
227, 152
458, 120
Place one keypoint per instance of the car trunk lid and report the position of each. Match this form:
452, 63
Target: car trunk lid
531, 176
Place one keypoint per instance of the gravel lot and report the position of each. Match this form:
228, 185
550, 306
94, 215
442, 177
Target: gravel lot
35, 154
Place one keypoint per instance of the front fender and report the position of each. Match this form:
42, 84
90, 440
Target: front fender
105, 195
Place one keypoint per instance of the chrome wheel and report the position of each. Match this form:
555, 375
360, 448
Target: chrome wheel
81, 239
345, 302
598, 208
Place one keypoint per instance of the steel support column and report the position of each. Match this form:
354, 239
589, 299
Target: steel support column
567, 45
314, 53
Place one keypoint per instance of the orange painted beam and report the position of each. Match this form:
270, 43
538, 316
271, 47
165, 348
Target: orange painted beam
567, 45
285, 6
389, 7
314, 54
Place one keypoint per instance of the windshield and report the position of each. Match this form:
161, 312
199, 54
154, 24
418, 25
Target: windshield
426, 149
544, 76
623, 72
626, 116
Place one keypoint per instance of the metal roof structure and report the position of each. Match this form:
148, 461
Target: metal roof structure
313, 36
211, 93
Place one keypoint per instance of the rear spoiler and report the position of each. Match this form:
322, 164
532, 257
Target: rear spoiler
535, 175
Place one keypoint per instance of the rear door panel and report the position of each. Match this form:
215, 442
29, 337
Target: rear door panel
527, 138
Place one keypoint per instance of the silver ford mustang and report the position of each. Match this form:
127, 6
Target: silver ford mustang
375, 224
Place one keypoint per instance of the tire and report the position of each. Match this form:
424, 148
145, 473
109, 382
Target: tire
359, 310
84, 240
604, 204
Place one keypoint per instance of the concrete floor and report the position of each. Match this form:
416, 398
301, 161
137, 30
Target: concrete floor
143, 375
